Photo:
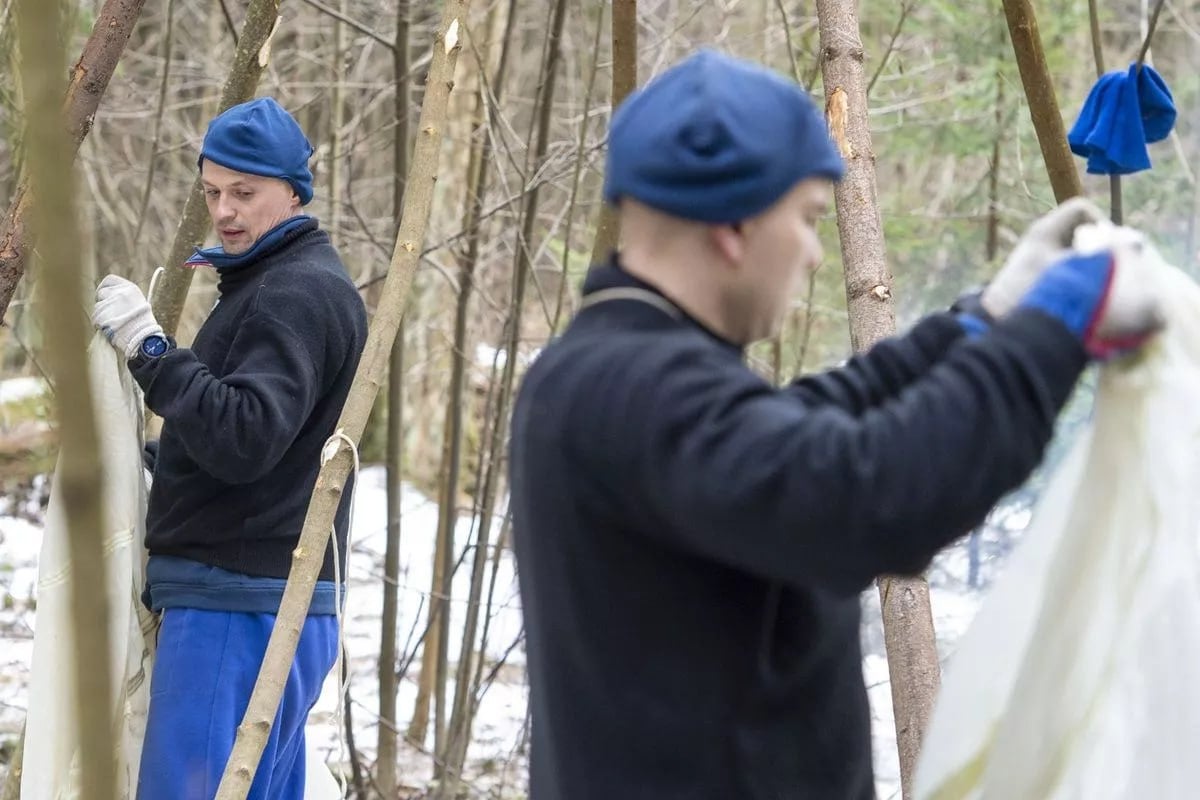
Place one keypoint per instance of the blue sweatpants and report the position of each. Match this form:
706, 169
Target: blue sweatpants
204, 673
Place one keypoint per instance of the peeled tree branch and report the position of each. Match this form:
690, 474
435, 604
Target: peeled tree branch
338, 458
89, 80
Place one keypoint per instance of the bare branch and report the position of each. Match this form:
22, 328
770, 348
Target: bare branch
353, 23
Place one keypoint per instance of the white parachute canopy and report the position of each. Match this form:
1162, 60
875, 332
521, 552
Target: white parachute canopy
51, 761
1075, 679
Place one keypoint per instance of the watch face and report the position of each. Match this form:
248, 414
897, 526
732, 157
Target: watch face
154, 346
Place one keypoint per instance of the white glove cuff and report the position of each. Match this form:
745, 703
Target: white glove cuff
150, 328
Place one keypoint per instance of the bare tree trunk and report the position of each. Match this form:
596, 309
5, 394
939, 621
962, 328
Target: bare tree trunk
540, 132
459, 727
338, 459
163, 85
1039, 93
385, 768
584, 120
51, 148
431, 644
907, 618
337, 118
453, 449
624, 54
253, 52
89, 80
357, 779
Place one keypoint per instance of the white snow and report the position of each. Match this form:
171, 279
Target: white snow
497, 763
500, 721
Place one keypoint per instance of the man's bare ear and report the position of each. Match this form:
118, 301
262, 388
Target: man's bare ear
729, 241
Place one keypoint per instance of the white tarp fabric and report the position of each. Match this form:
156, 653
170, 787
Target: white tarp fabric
1075, 679
51, 766
51, 740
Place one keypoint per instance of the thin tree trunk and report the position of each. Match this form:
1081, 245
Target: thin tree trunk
89, 80
338, 458
431, 645
486, 118
907, 618
433, 660
584, 120
624, 55
418, 725
357, 779
385, 768
337, 118
1039, 93
544, 107
163, 85
992, 237
54, 223
253, 52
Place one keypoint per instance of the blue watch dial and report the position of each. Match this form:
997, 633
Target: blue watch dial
154, 346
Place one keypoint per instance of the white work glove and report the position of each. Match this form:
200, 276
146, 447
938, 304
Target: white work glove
1103, 292
1047, 240
1133, 308
1133, 311
123, 315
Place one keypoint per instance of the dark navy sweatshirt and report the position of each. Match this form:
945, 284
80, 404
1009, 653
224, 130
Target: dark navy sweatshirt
692, 542
247, 409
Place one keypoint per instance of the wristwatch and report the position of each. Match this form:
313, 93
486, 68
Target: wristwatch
152, 347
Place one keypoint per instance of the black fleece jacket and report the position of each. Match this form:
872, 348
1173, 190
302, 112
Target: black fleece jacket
692, 542
247, 409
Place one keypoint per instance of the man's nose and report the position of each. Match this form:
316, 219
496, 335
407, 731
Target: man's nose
225, 209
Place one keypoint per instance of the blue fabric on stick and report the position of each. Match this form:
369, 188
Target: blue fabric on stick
1122, 114
204, 672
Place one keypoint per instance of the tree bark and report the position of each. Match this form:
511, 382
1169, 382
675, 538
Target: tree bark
337, 118
624, 54
163, 85
89, 80
253, 52
385, 769
51, 147
338, 459
584, 126
1039, 93
907, 618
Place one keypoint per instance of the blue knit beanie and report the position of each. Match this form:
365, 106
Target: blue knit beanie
716, 139
260, 138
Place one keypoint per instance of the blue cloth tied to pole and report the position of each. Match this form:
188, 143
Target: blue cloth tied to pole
1122, 114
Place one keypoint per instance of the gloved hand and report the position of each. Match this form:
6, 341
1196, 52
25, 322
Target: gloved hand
123, 315
1046, 241
1100, 301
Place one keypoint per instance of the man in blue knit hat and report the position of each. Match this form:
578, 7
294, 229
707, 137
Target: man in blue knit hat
692, 541
246, 411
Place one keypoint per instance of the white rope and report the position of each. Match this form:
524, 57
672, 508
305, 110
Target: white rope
328, 452
154, 282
